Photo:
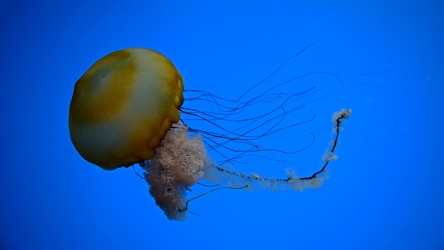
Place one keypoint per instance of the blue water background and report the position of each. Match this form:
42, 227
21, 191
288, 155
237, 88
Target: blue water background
384, 192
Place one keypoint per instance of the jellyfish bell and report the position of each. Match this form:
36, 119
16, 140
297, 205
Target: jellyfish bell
123, 106
126, 109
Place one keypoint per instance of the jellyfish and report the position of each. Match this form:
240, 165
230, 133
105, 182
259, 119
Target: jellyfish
126, 110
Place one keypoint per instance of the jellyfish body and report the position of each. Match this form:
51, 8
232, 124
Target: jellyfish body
126, 109
123, 106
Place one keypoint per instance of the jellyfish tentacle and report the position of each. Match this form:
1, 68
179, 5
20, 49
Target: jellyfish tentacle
209, 192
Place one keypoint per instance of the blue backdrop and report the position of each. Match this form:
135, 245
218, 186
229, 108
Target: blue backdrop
384, 192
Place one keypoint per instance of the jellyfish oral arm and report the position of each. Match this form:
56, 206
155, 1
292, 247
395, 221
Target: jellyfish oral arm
330, 156
292, 180
182, 161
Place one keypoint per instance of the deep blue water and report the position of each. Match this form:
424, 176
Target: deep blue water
384, 192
